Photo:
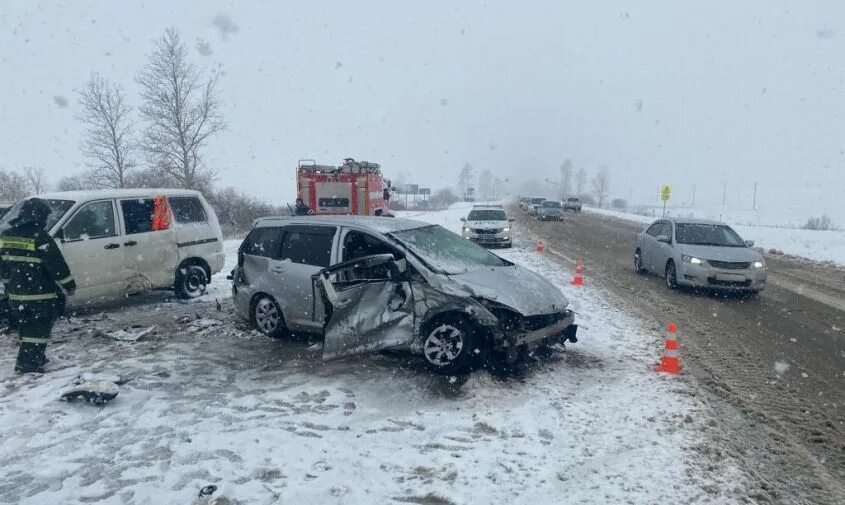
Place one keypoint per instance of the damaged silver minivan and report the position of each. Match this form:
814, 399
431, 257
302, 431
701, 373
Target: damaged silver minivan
372, 283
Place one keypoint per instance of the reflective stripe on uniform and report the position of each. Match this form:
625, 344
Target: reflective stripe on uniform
33, 340
65, 280
670, 354
22, 259
27, 244
26, 298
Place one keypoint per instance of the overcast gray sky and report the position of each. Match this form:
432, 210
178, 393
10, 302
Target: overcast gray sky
660, 91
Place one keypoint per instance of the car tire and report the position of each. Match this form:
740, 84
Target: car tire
266, 316
191, 281
671, 275
638, 262
448, 345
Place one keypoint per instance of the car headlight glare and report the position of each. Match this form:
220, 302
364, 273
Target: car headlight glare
693, 260
506, 229
466, 230
759, 264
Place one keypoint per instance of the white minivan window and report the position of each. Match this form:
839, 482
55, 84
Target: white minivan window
138, 215
92, 220
187, 209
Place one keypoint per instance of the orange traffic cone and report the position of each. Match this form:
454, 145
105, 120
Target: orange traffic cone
669, 363
579, 274
540, 246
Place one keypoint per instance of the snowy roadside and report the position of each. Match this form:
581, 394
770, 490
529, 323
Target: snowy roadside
826, 246
210, 402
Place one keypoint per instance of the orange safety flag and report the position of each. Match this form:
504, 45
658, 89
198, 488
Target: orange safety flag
161, 214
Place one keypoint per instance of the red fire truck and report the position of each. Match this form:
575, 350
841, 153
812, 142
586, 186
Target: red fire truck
355, 187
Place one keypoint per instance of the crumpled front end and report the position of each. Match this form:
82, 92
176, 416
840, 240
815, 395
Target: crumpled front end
515, 329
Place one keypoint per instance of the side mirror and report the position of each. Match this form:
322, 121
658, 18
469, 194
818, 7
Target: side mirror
511, 220
664, 238
401, 266
463, 219
749, 243
60, 235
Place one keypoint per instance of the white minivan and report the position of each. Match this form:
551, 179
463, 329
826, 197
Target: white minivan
123, 241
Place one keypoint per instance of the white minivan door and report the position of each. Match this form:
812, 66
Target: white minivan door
92, 247
150, 254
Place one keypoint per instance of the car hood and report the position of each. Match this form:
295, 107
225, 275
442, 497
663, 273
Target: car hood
516, 287
486, 225
550, 210
732, 254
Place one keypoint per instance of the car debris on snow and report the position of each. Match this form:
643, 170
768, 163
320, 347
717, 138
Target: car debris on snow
97, 392
130, 335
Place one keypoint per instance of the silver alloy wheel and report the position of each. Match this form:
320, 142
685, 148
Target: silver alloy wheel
671, 276
638, 262
443, 345
266, 315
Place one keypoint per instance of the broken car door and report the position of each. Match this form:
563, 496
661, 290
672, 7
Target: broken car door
369, 305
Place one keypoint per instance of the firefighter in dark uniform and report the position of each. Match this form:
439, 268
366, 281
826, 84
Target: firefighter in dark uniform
36, 278
301, 209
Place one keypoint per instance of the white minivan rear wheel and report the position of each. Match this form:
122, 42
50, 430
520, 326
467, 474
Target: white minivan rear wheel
191, 281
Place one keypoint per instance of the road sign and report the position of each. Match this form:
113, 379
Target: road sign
425, 191
665, 192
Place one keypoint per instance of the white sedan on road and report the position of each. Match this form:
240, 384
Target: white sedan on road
699, 253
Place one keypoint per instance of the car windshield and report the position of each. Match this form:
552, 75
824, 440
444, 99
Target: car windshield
446, 252
58, 208
572, 199
550, 205
707, 234
537, 201
487, 215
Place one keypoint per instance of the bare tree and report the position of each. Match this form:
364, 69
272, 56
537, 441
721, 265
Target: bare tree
565, 178
486, 189
152, 178
580, 180
181, 109
465, 182
77, 182
13, 186
443, 198
108, 143
35, 179
601, 184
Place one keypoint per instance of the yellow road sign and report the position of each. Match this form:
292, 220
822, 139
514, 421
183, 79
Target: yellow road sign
665, 192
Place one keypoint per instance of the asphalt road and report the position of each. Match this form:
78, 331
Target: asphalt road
786, 427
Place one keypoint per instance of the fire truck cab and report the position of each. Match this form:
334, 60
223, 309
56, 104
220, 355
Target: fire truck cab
355, 187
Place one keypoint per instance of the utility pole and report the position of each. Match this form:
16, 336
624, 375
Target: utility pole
755, 196
724, 193
693, 195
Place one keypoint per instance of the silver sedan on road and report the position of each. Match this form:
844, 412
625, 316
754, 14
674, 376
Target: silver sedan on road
699, 253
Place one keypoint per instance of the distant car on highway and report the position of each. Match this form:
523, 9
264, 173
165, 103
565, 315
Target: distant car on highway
573, 204
550, 210
488, 225
699, 253
532, 202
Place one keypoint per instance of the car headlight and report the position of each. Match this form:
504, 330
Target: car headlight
506, 229
759, 264
466, 230
693, 260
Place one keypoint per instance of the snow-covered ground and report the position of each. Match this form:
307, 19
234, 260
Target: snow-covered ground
811, 244
208, 401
